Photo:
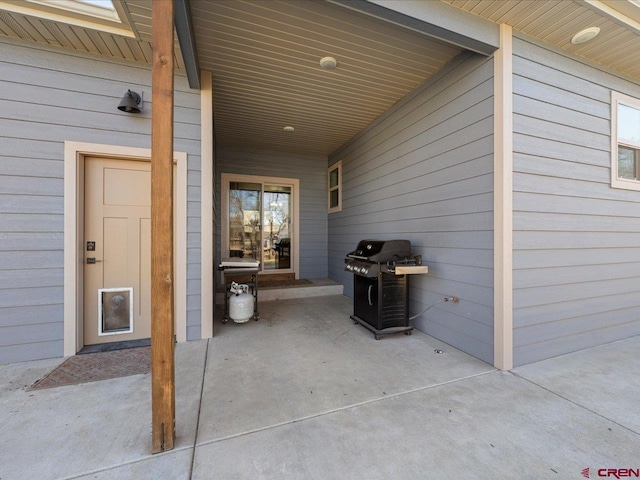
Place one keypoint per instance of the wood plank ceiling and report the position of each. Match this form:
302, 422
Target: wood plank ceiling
137, 47
265, 56
557, 21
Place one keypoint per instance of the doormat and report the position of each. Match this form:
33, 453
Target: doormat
94, 367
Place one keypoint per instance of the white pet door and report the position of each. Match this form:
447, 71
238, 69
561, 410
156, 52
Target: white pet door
115, 311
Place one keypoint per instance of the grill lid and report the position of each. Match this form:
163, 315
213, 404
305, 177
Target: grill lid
381, 250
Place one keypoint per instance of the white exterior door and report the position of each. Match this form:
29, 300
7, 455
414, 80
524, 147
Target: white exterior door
117, 250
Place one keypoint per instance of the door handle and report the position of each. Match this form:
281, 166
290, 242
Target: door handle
369, 296
92, 260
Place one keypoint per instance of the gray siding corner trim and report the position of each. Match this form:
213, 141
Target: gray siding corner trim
424, 172
576, 239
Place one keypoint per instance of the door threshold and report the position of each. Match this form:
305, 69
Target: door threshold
112, 346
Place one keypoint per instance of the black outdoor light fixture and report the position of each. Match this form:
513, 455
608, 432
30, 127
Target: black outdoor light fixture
130, 103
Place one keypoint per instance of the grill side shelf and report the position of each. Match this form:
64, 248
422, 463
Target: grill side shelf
411, 269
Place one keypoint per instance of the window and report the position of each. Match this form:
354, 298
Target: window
625, 142
334, 183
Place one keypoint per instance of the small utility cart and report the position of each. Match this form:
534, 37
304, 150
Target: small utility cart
241, 269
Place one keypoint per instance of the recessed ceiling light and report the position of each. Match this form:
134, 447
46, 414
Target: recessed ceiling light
585, 35
328, 63
289, 128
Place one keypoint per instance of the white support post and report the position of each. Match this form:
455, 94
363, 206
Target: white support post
207, 293
503, 201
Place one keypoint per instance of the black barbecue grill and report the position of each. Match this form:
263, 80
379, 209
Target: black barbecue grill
381, 284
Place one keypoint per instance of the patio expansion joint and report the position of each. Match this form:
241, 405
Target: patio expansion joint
573, 402
195, 436
130, 462
161, 454
341, 409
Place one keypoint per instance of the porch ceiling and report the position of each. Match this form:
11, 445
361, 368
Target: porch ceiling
46, 28
264, 56
557, 21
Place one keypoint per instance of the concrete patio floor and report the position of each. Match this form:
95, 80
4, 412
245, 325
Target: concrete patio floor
306, 394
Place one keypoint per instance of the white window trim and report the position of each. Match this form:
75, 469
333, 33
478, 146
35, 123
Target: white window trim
338, 187
616, 182
294, 183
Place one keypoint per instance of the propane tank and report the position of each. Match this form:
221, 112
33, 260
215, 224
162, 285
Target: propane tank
241, 304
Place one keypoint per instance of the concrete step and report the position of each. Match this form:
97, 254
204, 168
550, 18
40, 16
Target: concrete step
319, 287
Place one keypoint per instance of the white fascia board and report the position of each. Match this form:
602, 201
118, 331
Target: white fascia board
626, 14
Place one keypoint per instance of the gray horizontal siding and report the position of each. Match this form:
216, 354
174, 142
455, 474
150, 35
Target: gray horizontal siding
194, 254
24, 352
311, 171
49, 96
26, 279
12, 316
26, 241
16, 335
424, 172
576, 240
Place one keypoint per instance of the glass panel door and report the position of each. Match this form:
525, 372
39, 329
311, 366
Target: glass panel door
245, 236
277, 227
259, 220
